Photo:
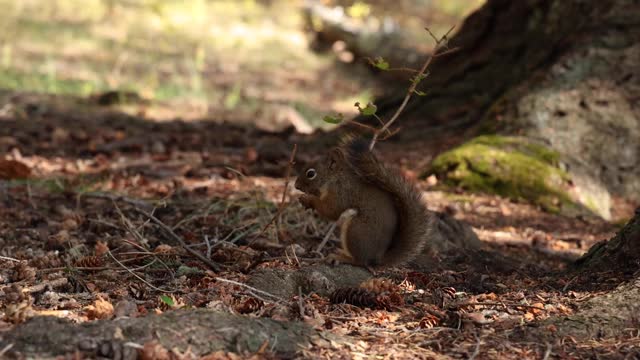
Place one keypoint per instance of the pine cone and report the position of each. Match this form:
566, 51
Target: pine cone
355, 296
22, 271
14, 294
17, 313
249, 305
90, 262
50, 260
138, 291
428, 322
380, 286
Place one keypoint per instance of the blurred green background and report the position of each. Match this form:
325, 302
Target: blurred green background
226, 56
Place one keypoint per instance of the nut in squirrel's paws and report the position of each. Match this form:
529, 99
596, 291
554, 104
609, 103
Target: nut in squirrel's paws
306, 201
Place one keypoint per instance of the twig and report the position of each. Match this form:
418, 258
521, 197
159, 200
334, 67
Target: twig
282, 205
326, 237
130, 228
136, 275
8, 259
215, 267
113, 197
250, 288
5, 349
368, 127
206, 240
440, 44
300, 302
476, 351
52, 284
457, 306
564, 289
345, 216
548, 352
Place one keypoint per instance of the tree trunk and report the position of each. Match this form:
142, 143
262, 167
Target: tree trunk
607, 314
622, 253
558, 73
501, 45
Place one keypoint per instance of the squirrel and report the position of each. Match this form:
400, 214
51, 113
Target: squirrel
383, 221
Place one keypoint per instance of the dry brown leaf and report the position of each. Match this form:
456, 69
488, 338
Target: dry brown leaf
59, 239
12, 169
70, 224
528, 316
163, 249
100, 309
537, 305
221, 355
18, 313
101, 248
153, 350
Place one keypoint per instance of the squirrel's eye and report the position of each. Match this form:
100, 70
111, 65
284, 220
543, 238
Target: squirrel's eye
311, 174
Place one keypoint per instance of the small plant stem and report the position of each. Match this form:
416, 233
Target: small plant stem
440, 44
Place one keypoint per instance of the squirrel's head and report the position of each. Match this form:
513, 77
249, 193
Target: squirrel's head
314, 175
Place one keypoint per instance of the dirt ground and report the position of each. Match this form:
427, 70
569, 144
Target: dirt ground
77, 242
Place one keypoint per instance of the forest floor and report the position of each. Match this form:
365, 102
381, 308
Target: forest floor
77, 242
81, 173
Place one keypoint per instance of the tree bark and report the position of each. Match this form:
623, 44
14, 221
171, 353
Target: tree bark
562, 73
501, 45
621, 253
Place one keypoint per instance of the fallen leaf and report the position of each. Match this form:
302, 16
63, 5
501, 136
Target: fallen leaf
12, 169
100, 309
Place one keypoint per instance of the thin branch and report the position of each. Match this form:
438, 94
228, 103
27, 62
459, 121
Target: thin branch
476, 351
282, 204
345, 216
250, 288
547, 353
440, 45
370, 128
327, 237
405, 69
8, 259
215, 267
136, 275
457, 306
6, 349
300, 302
115, 197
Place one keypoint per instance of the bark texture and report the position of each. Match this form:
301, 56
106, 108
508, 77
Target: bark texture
561, 73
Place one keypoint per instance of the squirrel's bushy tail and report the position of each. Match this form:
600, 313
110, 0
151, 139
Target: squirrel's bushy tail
415, 223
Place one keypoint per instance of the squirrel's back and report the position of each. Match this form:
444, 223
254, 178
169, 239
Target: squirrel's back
415, 223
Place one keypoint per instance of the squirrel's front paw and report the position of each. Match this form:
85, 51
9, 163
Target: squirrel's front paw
306, 201
338, 258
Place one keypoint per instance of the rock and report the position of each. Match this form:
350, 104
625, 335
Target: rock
201, 331
321, 279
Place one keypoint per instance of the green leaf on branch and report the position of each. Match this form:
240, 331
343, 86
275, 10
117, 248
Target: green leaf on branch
333, 119
420, 93
380, 63
368, 110
416, 79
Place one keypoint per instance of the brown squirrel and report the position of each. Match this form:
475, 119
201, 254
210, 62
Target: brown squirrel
382, 217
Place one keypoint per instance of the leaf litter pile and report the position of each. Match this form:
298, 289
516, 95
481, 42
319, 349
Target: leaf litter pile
106, 216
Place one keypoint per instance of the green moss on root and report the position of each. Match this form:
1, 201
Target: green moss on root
508, 166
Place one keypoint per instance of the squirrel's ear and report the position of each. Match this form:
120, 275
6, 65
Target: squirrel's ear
336, 158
